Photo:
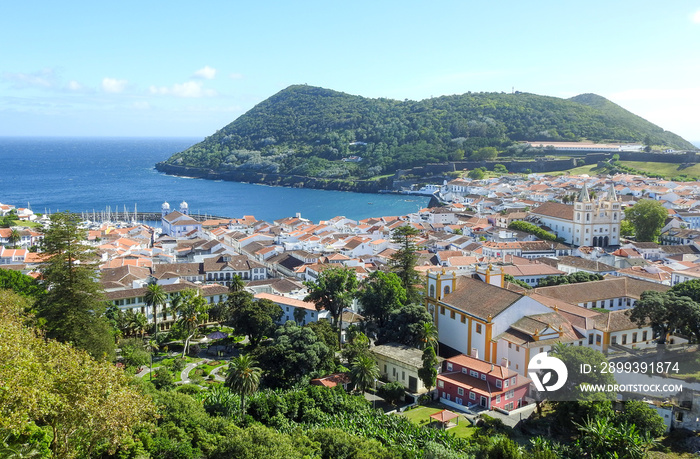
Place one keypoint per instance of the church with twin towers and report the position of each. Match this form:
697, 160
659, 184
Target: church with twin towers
589, 222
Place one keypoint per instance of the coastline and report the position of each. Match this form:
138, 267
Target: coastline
283, 180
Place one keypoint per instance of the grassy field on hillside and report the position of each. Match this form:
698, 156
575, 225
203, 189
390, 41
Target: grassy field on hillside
668, 170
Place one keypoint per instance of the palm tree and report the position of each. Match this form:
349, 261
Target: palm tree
155, 296
139, 323
237, 284
243, 378
192, 311
428, 335
15, 237
364, 371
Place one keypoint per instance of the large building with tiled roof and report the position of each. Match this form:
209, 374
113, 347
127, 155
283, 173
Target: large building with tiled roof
611, 293
469, 312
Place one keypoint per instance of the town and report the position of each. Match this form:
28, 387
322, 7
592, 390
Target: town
509, 267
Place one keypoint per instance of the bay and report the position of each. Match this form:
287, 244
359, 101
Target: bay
85, 174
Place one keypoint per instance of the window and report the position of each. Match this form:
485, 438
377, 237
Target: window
474, 373
498, 399
442, 310
446, 290
644, 336
452, 315
624, 339
449, 366
512, 381
478, 328
460, 391
464, 370
483, 376
499, 383
597, 340
505, 383
590, 339
634, 337
613, 339
463, 318
432, 290
472, 396
510, 345
441, 383
403, 376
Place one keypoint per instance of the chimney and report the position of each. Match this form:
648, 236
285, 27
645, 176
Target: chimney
492, 367
475, 353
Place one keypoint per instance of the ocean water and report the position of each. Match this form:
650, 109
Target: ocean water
90, 174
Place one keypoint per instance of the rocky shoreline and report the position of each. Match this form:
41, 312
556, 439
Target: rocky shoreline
288, 180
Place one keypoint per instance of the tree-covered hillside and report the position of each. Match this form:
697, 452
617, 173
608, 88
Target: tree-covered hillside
309, 131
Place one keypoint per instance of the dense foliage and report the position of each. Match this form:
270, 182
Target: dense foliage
307, 131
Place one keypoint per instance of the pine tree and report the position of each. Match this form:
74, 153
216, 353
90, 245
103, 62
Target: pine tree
403, 261
73, 309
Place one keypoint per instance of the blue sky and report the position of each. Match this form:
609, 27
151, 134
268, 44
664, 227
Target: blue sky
176, 68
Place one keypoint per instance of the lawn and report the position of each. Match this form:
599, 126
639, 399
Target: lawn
668, 170
421, 416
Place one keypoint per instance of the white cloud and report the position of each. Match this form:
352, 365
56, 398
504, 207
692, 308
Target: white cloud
45, 78
206, 73
191, 89
236, 76
74, 86
112, 85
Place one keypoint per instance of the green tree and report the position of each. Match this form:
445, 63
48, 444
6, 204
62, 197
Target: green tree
392, 392
85, 403
325, 332
406, 326
243, 378
500, 169
357, 345
237, 284
644, 417
476, 174
333, 291
690, 288
155, 296
293, 355
428, 372
428, 335
73, 308
134, 352
485, 153
15, 237
665, 313
380, 294
256, 319
647, 217
364, 371
192, 310
21, 284
403, 261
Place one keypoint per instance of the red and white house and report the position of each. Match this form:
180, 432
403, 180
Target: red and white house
470, 382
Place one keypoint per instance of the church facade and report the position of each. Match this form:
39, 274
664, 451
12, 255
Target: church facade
590, 223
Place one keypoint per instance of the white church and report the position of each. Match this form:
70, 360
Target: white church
179, 223
586, 223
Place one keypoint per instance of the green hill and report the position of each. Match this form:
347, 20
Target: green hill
309, 131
